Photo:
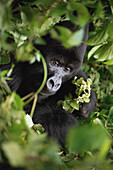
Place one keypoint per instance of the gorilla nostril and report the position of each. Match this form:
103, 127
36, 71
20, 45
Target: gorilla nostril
52, 83
57, 85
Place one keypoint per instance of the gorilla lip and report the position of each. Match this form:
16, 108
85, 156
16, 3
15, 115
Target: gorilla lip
46, 94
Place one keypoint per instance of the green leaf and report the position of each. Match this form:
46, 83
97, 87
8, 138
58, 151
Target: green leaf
111, 113
103, 111
110, 68
98, 38
74, 104
104, 53
110, 62
65, 33
79, 81
93, 50
110, 29
4, 58
67, 37
82, 13
59, 10
14, 153
87, 138
99, 10
47, 24
76, 38
66, 106
111, 3
18, 103
86, 99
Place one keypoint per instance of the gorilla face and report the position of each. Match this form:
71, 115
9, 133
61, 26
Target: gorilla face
62, 65
59, 70
57, 73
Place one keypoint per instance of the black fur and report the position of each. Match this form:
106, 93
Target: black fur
28, 77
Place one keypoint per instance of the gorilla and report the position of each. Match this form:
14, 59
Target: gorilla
62, 65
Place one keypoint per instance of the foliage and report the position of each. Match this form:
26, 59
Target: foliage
23, 23
82, 92
102, 38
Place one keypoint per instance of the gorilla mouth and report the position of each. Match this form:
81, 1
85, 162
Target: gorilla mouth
46, 93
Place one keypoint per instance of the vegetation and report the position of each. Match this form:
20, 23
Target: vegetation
90, 145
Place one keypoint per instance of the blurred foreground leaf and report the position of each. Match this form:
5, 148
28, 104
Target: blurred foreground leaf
85, 138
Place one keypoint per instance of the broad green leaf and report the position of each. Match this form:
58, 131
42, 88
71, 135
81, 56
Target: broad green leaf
14, 153
103, 111
18, 103
4, 59
39, 41
47, 24
98, 38
84, 138
110, 68
44, 3
59, 10
76, 38
74, 104
67, 37
111, 113
65, 33
110, 29
79, 81
99, 10
82, 13
104, 53
92, 51
97, 121
110, 62
111, 3
66, 106
104, 150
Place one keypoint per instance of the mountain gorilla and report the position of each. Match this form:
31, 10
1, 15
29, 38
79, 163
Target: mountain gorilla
62, 64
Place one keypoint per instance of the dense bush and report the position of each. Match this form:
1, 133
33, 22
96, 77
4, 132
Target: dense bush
89, 146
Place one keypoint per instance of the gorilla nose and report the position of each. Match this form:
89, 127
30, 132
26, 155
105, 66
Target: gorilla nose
53, 83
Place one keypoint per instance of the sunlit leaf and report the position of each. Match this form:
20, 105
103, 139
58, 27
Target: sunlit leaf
98, 38
110, 29
86, 138
14, 153
76, 38
111, 3
18, 103
109, 62
99, 10
59, 10
74, 104
82, 13
66, 106
110, 68
111, 113
92, 51
105, 52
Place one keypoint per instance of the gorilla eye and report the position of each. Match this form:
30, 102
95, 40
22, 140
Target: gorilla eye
67, 69
55, 62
